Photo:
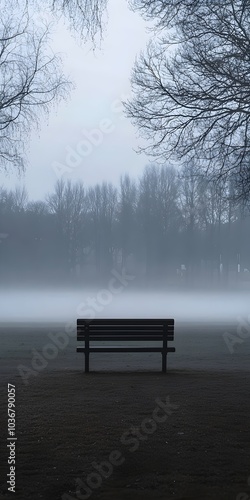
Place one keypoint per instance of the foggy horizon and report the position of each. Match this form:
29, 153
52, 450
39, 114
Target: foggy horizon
62, 306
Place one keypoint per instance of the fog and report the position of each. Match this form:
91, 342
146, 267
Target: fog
127, 252
25, 306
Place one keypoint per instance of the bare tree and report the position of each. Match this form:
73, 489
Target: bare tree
20, 197
158, 215
30, 81
14, 200
192, 87
102, 209
68, 204
126, 215
38, 208
86, 17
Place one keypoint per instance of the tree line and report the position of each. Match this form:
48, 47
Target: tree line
170, 226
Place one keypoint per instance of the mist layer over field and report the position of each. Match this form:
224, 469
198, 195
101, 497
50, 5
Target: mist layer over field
67, 305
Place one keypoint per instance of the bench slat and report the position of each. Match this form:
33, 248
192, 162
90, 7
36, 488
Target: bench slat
128, 331
159, 328
121, 322
140, 330
126, 349
150, 338
154, 336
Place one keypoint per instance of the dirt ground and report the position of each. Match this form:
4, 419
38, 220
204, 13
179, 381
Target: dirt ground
184, 435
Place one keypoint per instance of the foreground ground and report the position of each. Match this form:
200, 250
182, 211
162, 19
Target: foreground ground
69, 423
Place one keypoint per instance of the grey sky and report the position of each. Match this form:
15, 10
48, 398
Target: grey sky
101, 80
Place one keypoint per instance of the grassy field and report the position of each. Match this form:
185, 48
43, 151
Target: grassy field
126, 430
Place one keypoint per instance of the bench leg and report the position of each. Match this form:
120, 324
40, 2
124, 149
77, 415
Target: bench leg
164, 362
86, 362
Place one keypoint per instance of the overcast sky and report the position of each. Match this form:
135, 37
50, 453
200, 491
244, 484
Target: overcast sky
102, 80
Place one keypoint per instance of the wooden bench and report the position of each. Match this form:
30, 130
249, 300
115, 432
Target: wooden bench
117, 330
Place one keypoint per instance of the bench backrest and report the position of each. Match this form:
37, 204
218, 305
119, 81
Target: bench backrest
125, 329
